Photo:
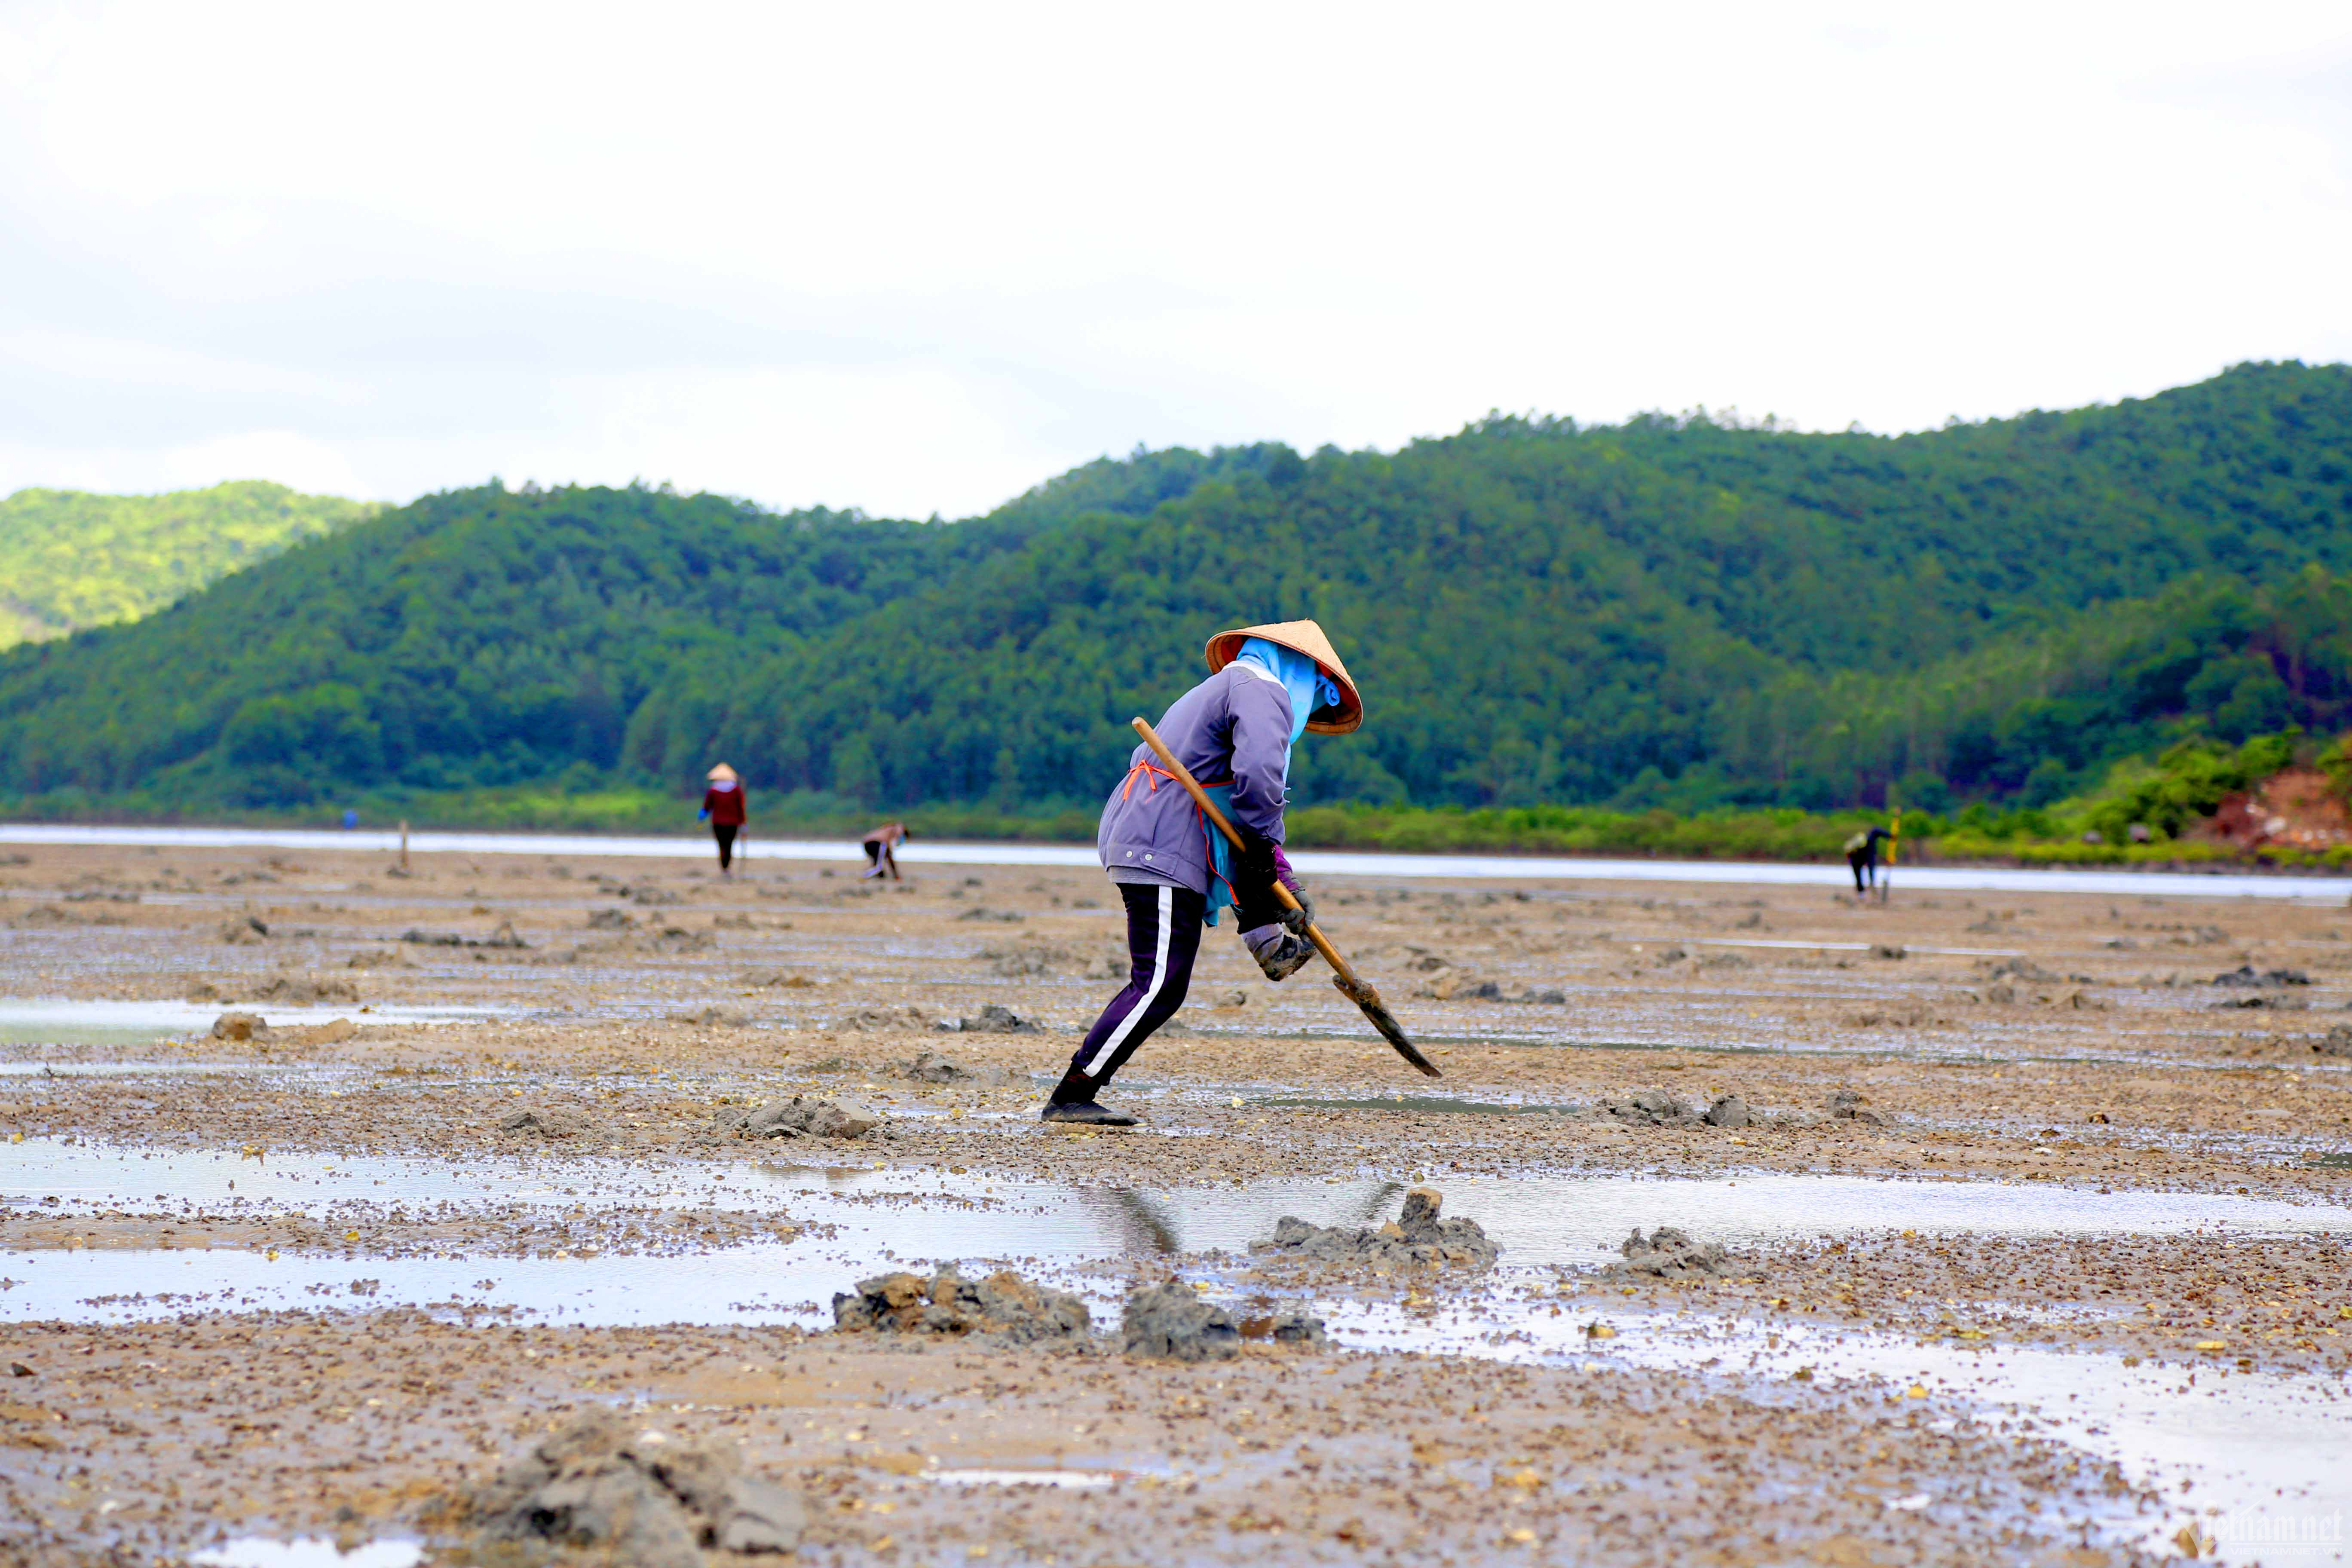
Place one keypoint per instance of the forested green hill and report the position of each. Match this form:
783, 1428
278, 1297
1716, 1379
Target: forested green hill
70, 559
1672, 611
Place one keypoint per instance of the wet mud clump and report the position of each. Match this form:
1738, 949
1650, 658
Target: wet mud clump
542, 1122
2244, 975
505, 936
1003, 1305
1657, 1108
715, 1017
304, 991
636, 1498
993, 1019
1852, 1105
1170, 1322
1415, 1239
799, 1117
1667, 1253
930, 1066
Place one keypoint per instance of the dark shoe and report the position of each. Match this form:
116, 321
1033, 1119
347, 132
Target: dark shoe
1085, 1113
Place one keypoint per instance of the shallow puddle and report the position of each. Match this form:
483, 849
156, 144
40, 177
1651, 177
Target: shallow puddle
874, 1219
1063, 1480
2262, 1448
50, 1022
2261, 1453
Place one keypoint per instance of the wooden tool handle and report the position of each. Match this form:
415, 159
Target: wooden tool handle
1184, 775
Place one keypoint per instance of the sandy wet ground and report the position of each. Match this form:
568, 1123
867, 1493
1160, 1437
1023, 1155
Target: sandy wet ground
2023, 1057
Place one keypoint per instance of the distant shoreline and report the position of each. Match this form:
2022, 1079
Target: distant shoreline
2211, 881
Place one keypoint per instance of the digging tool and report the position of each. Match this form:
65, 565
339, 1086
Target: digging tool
1350, 985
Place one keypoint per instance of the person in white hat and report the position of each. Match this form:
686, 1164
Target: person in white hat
1267, 686
723, 807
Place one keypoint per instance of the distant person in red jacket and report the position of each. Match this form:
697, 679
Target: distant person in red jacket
723, 807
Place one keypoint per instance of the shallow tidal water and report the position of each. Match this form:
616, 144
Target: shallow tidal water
2326, 889
864, 1221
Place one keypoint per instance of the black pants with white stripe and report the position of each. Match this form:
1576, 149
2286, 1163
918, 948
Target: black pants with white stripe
1163, 937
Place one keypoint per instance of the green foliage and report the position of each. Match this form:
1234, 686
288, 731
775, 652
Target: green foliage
70, 559
2186, 784
1680, 621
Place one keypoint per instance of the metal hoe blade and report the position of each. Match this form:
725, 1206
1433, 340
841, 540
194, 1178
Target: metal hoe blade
1369, 1001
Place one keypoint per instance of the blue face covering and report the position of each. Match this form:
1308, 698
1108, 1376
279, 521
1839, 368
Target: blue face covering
1308, 687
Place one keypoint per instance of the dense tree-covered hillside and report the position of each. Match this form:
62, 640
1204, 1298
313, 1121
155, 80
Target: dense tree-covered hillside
1671, 611
70, 559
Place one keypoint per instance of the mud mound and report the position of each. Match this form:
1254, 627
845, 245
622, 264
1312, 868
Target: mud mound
930, 1066
1667, 1253
1170, 1322
2023, 969
1853, 1105
1003, 1306
715, 1017
1659, 1108
543, 1121
799, 1117
1415, 1239
2244, 975
993, 1020
505, 936
1286, 1327
636, 1498
870, 1020
296, 991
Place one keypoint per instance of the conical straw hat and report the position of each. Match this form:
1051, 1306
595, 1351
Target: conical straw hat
1302, 636
722, 772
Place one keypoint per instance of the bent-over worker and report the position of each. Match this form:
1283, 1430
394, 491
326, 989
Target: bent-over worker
1267, 685
723, 807
880, 850
1861, 856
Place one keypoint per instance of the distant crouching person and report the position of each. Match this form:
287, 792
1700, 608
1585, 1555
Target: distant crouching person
881, 850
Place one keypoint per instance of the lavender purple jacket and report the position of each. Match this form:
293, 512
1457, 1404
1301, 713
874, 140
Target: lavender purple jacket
1234, 725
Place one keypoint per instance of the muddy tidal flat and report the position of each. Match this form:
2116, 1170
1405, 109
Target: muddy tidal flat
493, 1209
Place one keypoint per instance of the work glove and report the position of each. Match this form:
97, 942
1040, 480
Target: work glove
1279, 954
1255, 867
702, 816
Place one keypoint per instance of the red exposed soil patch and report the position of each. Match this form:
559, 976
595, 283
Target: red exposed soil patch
2295, 808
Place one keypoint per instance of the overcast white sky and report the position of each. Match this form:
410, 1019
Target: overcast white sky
917, 257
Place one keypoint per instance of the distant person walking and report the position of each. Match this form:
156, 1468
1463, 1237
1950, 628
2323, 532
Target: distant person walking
880, 850
723, 807
1861, 856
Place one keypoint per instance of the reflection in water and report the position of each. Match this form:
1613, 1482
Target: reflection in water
1144, 1228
